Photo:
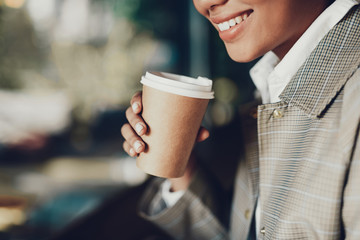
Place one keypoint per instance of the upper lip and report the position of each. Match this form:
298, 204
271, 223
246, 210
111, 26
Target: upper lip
221, 19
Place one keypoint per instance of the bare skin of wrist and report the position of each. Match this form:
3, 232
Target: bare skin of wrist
182, 183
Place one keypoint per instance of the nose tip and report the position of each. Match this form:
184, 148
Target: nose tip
204, 6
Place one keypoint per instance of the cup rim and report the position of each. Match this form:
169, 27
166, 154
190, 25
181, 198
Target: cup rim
200, 83
178, 84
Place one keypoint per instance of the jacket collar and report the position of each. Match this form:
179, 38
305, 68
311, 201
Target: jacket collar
328, 67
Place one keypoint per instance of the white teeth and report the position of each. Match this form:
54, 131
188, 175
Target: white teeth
232, 22
226, 25
221, 27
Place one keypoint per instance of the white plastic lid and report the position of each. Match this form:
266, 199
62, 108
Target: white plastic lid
180, 85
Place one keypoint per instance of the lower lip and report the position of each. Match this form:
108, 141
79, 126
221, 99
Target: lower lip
235, 31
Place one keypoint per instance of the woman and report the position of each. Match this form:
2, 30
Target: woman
300, 180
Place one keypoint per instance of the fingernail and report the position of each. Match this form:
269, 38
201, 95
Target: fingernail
135, 107
132, 152
137, 146
139, 127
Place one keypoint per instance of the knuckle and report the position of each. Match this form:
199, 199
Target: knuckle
138, 94
124, 128
135, 97
128, 113
126, 147
131, 116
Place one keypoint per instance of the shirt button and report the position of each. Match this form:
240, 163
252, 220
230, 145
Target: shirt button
247, 214
278, 113
262, 231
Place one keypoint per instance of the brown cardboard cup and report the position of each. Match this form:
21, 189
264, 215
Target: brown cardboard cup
173, 123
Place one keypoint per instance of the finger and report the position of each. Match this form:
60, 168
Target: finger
136, 122
132, 138
128, 149
203, 134
136, 103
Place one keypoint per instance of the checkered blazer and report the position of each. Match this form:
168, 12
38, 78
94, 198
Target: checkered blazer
304, 159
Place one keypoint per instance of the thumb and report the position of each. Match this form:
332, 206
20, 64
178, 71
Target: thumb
203, 134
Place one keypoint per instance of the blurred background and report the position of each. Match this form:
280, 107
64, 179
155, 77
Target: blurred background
68, 69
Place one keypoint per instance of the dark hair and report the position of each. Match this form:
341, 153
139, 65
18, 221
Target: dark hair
330, 2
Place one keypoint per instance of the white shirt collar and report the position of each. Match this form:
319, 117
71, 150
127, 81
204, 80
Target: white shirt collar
271, 76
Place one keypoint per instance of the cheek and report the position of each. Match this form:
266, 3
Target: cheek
200, 8
269, 28
256, 42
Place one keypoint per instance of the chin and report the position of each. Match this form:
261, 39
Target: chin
243, 58
242, 55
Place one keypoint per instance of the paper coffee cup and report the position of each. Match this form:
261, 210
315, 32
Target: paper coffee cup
173, 108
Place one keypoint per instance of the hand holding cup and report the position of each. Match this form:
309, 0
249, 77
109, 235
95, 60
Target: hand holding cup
134, 144
136, 127
173, 107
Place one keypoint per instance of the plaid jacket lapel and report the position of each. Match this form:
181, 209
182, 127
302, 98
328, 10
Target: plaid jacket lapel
336, 57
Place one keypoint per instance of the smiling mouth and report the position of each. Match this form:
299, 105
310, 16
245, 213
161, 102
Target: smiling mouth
226, 25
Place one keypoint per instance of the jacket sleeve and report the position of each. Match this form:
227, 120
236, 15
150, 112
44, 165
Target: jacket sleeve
194, 216
351, 150
351, 199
